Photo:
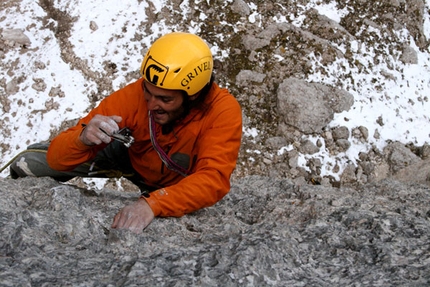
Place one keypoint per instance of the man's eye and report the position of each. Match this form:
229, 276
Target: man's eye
165, 100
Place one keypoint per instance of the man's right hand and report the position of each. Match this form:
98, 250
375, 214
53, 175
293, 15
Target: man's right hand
98, 129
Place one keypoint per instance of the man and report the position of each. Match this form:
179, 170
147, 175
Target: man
186, 133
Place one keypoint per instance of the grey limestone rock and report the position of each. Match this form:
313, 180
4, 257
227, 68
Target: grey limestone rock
309, 107
15, 37
265, 232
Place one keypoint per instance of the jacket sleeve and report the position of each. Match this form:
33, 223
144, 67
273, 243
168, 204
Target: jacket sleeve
218, 148
66, 151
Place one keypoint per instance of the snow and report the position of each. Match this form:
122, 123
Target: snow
402, 101
330, 10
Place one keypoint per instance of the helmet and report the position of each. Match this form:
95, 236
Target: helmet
178, 61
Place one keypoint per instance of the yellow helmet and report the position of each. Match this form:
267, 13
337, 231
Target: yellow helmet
178, 61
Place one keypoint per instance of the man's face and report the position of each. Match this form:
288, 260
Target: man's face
166, 105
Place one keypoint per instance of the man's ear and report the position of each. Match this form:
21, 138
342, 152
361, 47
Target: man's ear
193, 97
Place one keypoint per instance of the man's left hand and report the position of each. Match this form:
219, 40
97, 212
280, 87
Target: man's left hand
134, 217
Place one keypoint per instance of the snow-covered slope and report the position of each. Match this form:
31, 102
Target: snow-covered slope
59, 58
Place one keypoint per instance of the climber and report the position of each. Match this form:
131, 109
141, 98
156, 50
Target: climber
174, 133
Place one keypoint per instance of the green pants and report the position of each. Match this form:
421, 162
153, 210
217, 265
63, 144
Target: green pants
113, 161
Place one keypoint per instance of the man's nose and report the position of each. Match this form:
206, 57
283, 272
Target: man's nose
152, 103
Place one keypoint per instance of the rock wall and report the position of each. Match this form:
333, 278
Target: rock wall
265, 232
281, 224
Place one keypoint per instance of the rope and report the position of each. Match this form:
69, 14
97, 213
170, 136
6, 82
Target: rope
18, 155
163, 156
111, 173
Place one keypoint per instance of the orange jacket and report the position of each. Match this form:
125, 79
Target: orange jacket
211, 138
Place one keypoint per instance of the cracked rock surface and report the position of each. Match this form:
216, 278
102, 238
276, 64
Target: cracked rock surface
265, 232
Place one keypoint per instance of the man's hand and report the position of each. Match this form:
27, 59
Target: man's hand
134, 217
98, 129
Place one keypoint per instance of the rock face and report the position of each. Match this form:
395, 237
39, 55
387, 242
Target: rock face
265, 232
274, 228
309, 107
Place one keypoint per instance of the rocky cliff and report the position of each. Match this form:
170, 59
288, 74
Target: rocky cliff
265, 232
291, 218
